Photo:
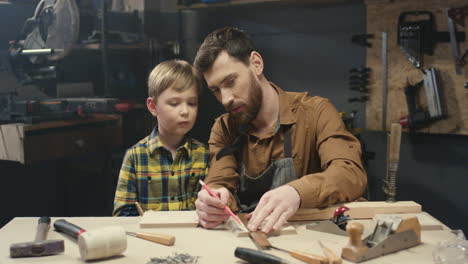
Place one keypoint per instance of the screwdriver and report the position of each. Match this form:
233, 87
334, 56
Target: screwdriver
167, 240
332, 258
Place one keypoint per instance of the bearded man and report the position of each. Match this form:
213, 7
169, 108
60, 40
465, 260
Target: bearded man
274, 151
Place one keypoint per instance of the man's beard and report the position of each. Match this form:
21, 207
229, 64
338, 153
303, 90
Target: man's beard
253, 104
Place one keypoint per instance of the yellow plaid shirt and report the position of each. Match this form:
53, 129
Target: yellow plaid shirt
150, 176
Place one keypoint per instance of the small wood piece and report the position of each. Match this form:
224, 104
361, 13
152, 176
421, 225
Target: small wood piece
260, 239
139, 209
151, 219
358, 210
242, 231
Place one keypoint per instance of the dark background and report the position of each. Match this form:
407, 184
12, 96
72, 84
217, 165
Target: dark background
305, 48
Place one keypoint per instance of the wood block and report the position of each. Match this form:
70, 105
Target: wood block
151, 219
242, 231
358, 210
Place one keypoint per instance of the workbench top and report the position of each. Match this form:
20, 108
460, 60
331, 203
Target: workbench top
213, 246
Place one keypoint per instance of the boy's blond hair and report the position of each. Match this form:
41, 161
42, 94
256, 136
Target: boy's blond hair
175, 74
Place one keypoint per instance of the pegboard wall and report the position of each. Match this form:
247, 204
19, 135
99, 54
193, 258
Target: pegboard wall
382, 16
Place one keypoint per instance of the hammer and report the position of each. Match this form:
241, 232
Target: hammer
40, 246
95, 244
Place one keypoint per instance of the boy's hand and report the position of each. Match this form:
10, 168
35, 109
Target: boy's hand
274, 209
210, 210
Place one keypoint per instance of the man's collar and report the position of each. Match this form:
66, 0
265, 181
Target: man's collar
287, 111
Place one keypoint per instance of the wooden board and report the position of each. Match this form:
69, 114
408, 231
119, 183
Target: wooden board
182, 219
383, 16
152, 219
358, 210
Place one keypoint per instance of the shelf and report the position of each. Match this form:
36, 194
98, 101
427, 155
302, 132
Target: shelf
233, 3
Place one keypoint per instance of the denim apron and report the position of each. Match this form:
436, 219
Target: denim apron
251, 188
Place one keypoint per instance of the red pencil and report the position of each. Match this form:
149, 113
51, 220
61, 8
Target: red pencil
226, 208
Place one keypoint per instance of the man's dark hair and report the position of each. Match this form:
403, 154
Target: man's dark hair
232, 40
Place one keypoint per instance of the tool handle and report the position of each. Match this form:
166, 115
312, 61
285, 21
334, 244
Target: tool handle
68, 228
395, 142
331, 256
355, 230
255, 256
308, 258
42, 228
167, 240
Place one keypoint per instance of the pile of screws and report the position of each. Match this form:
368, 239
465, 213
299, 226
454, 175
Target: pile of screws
177, 258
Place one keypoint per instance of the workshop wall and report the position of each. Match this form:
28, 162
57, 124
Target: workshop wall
383, 16
309, 49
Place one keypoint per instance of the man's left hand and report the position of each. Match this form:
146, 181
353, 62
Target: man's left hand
274, 208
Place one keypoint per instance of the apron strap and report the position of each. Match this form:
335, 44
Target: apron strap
287, 142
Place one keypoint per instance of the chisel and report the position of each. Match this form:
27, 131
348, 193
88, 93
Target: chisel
261, 241
167, 240
257, 257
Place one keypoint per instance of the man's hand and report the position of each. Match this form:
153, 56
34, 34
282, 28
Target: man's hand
277, 205
210, 210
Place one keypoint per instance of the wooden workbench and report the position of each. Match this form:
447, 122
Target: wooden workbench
213, 246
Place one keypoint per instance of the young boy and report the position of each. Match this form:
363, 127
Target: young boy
161, 172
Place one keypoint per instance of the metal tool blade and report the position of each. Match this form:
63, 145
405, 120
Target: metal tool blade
453, 43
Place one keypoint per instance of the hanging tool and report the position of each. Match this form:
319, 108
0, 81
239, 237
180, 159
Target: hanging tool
40, 246
167, 240
361, 39
418, 37
417, 116
454, 44
384, 81
361, 99
393, 156
360, 70
458, 14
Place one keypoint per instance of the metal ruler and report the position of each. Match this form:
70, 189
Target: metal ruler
453, 42
384, 81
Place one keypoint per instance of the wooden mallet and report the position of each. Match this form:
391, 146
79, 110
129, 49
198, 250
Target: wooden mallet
95, 244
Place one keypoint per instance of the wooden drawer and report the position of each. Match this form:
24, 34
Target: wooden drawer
58, 139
